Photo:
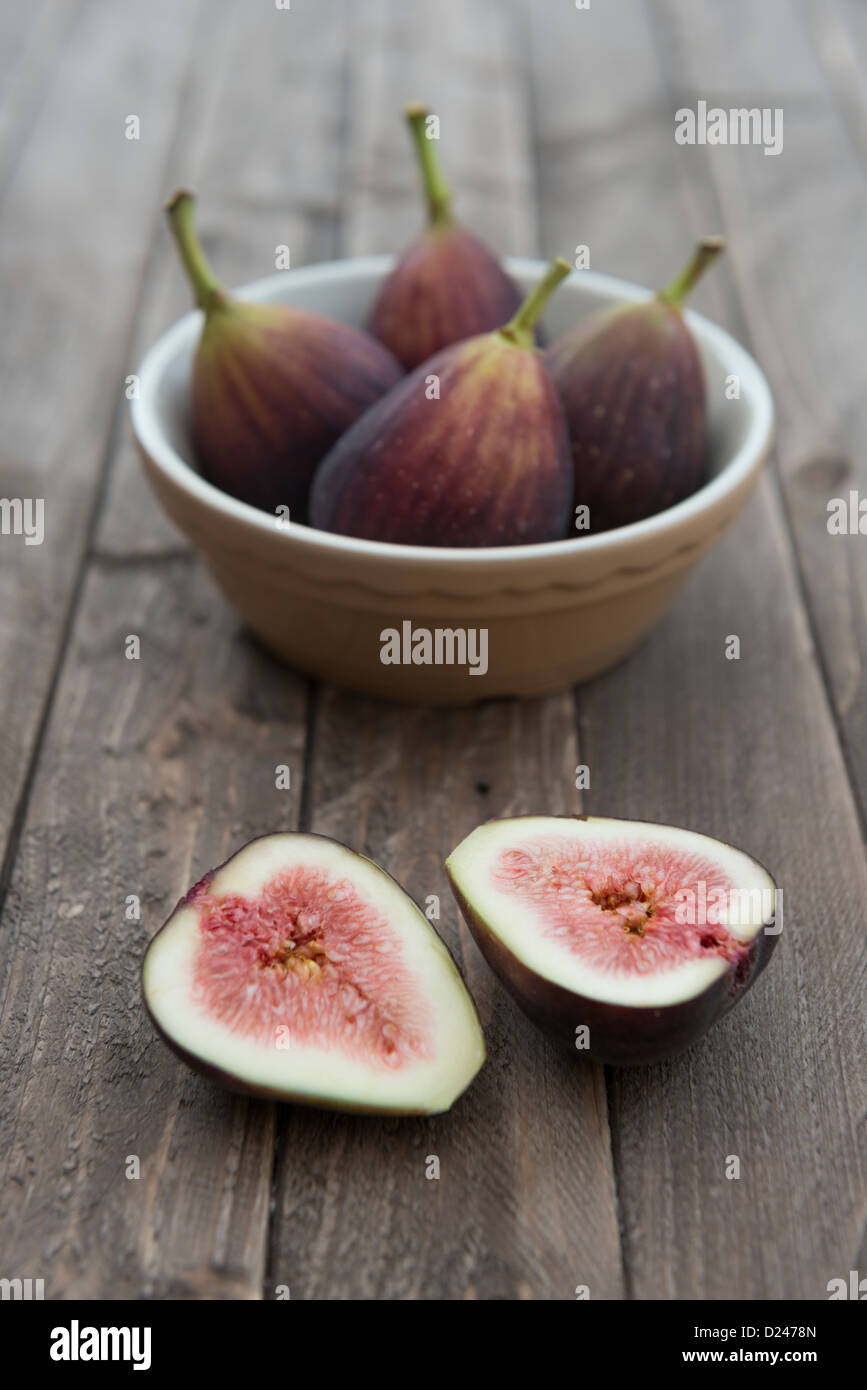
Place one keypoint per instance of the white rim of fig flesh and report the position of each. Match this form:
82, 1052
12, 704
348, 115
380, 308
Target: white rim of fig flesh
439, 1045
531, 881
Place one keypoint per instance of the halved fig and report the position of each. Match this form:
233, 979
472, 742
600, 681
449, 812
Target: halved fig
627, 940
300, 970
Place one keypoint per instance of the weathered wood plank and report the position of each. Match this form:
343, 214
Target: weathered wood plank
32, 42
798, 259
525, 1206
745, 750
25, 37
153, 771
76, 221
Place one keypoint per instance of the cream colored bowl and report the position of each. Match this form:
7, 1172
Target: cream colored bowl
551, 614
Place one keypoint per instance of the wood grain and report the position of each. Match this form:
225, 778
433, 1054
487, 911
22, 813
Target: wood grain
125, 778
32, 42
525, 1204
744, 750
77, 216
152, 772
798, 260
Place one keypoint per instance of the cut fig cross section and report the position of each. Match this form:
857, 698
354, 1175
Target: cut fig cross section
301, 971
625, 939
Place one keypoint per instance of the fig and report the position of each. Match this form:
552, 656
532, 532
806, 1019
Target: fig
272, 386
632, 387
480, 458
446, 285
301, 971
624, 940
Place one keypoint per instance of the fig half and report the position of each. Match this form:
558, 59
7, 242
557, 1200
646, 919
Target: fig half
301, 971
624, 939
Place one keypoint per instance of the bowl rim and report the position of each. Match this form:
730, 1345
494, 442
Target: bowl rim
732, 475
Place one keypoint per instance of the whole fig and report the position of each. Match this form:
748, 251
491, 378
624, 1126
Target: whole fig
469, 450
272, 386
632, 387
447, 285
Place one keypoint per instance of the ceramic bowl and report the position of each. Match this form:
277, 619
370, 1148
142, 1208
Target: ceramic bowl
517, 620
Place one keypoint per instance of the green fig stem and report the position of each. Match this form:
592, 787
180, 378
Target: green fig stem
437, 191
704, 255
520, 329
209, 293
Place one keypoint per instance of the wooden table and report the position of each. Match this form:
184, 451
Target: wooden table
123, 778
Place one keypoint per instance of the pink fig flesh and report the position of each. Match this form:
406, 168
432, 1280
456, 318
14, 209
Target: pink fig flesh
300, 970
623, 939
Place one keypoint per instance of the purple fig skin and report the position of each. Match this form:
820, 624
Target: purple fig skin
446, 287
273, 387
486, 464
620, 1035
633, 391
